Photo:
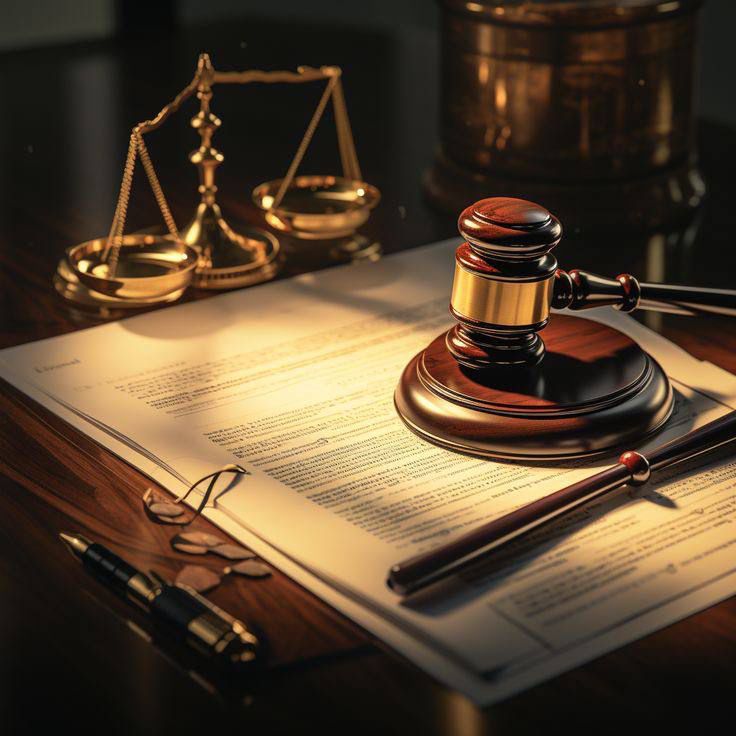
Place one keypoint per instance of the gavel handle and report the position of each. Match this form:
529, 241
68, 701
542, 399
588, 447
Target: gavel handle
481, 543
578, 290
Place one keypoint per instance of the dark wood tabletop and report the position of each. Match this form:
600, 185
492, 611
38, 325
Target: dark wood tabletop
73, 654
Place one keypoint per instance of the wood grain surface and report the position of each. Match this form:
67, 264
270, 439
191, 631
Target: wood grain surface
72, 654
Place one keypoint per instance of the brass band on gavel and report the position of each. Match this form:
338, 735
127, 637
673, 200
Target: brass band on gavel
504, 281
499, 300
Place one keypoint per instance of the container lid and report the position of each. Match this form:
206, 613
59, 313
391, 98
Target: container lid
571, 13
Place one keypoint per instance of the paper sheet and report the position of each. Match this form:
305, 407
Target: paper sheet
295, 381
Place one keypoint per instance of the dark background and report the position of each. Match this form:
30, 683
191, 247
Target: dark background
67, 69
75, 75
411, 23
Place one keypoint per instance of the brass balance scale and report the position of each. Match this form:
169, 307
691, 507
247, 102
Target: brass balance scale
134, 271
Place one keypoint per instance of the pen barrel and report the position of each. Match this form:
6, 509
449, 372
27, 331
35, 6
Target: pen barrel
179, 609
113, 570
206, 627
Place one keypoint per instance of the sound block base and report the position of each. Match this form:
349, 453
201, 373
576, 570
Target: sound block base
595, 391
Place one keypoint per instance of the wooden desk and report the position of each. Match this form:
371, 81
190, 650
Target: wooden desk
68, 653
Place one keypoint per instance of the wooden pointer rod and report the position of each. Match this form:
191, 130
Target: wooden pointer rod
633, 468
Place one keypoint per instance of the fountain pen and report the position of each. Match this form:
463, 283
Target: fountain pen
186, 614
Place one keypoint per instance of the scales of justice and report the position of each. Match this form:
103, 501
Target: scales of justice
133, 271
492, 386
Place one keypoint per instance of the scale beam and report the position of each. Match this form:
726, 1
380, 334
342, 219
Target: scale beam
225, 257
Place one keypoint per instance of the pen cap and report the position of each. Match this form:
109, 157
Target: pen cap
204, 625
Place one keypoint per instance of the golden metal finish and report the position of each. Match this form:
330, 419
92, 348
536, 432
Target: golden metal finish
227, 258
217, 632
317, 207
208, 628
238, 259
150, 267
508, 303
141, 590
73, 291
323, 207
75, 543
124, 271
146, 270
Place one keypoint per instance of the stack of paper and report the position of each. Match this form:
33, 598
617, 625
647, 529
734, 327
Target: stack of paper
295, 381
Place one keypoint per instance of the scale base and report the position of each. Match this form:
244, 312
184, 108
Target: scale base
356, 249
229, 259
595, 391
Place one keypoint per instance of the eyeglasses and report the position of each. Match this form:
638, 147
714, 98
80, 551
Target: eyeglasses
164, 511
202, 579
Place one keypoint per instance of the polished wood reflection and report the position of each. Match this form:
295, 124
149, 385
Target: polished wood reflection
69, 655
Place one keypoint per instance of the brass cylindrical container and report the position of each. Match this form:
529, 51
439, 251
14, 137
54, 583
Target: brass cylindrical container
587, 105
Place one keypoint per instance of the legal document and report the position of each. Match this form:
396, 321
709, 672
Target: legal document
295, 380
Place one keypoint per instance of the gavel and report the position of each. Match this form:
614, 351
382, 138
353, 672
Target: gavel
491, 387
507, 280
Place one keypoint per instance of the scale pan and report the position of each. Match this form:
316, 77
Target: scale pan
317, 207
149, 268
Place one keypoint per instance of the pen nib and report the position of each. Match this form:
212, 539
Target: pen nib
74, 543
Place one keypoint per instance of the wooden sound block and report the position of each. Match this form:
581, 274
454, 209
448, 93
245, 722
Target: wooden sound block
594, 391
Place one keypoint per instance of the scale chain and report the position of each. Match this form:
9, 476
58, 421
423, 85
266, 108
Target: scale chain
345, 140
306, 140
158, 193
346, 144
118, 220
114, 241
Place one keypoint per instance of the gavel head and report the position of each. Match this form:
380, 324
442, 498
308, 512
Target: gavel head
504, 281
482, 387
